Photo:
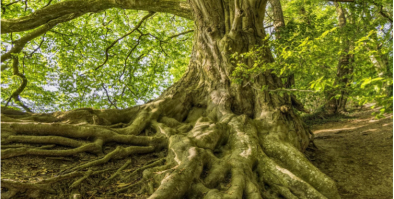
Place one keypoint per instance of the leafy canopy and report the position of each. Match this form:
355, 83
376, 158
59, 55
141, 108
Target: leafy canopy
66, 67
118, 58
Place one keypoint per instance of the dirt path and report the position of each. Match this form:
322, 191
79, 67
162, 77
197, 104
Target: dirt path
358, 154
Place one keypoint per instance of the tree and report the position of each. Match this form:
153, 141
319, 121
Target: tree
326, 49
279, 24
344, 69
214, 131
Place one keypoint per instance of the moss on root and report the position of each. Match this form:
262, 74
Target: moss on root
231, 156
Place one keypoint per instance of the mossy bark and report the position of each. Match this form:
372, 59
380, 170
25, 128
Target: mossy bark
224, 140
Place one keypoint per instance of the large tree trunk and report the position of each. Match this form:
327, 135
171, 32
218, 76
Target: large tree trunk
224, 140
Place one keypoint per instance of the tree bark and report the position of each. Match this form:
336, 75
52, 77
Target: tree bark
76, 8
223, 140
279, 25
344, 70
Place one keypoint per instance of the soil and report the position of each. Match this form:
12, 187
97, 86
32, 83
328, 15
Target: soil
33, 169
356, 152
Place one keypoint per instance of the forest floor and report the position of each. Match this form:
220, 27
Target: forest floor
357, 152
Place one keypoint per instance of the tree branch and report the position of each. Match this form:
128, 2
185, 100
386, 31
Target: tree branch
168, 38
49, 3
20, 43
127, 34
109, 100
177, 35
381, 12
15, 94
292, 90
81, 7
280, 89
39, 46
127, 57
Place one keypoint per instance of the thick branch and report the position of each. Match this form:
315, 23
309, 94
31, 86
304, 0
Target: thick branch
20, 43
80, 7
15, 94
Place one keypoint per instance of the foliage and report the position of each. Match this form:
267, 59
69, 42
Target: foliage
310, 46
63, 66
66, 67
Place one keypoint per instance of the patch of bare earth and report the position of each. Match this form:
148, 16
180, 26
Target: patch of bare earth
32, 169
357, 153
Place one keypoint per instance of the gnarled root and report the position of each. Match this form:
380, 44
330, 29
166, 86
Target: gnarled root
228, 156
248, 164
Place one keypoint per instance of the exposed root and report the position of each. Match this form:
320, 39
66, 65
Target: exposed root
31, 190
215, 155
16, 146
69, 176
118, 153
9, 153
118, 125
44, 140
79, 181
36, 190
117, 173
135, 172
139, 124
128, 187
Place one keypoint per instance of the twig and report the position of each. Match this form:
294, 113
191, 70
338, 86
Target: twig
128, 55
110, 101
168, 38
39, 46
10, 3
49, 3
20, 43
127, 34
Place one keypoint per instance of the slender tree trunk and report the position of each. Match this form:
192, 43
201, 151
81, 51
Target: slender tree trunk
344, 70
279, 21
381, 62
382, 67
279, 25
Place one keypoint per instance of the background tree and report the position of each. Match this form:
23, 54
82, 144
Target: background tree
312, 45
344, 69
